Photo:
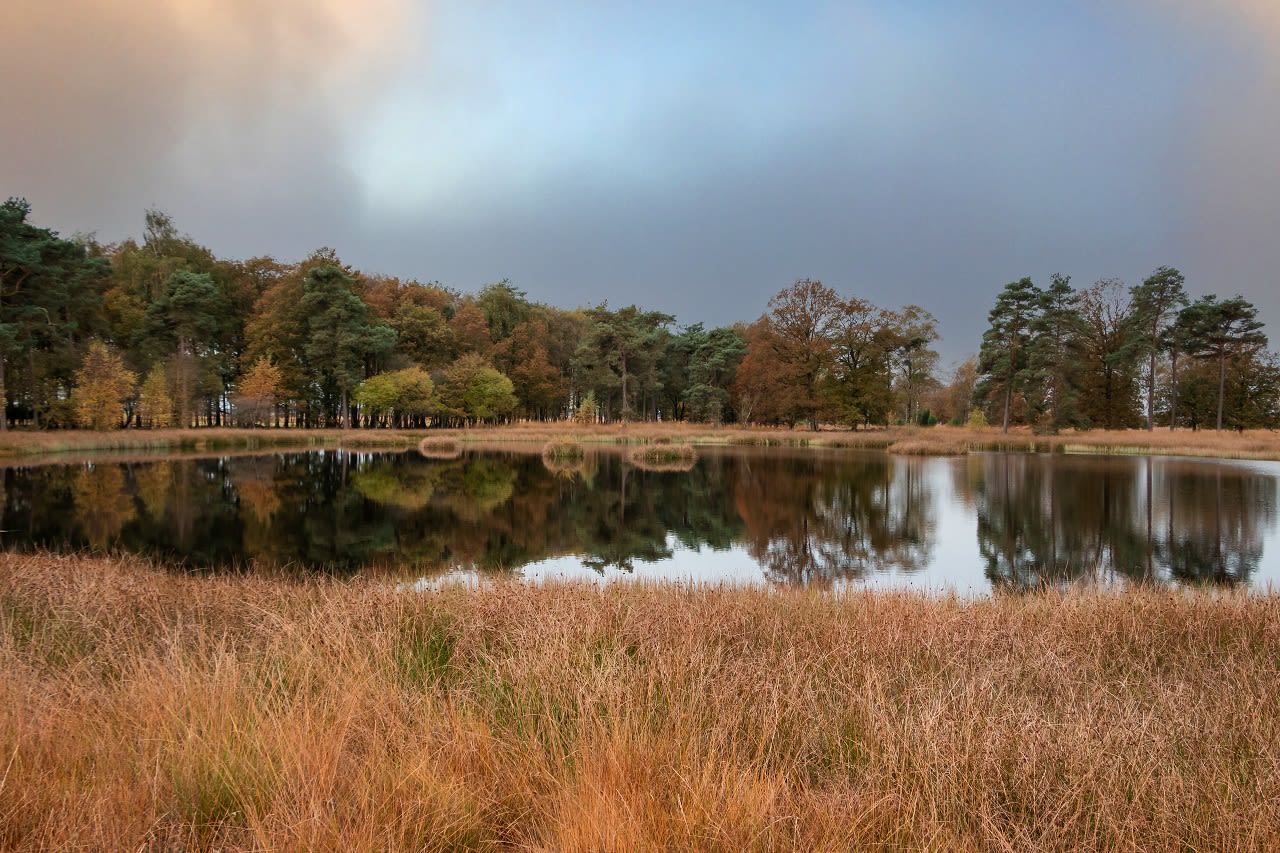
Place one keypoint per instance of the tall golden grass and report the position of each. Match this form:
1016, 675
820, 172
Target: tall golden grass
146, 710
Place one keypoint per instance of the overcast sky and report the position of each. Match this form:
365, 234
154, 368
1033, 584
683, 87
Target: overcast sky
689, 157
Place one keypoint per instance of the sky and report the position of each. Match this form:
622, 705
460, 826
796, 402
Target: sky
693, 158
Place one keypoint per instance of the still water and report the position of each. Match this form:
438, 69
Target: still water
772, 516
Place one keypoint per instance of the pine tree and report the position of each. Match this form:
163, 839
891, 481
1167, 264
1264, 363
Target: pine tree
1223, 330
1157, 302
1004, 360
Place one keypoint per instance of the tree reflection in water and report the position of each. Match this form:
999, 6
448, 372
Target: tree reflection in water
806, 518
1049, 520
814, 519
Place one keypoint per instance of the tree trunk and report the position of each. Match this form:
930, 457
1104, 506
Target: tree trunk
1008, 395
626, 407
1173, 392
346, 412
1222, 384
1151, 394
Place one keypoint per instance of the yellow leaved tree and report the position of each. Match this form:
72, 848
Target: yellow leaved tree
103, 387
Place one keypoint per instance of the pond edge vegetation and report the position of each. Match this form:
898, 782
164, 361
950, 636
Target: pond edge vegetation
562, 440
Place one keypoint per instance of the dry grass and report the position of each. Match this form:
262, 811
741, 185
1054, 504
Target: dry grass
564, 456
563, 450
142, 710
1252, 444
943, 445
440, 447
29, 443
663, 456
941, 440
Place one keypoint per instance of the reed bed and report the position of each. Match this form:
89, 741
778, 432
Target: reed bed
949, 445
663, 456
564, 456
142, 709
440, 447
564, 450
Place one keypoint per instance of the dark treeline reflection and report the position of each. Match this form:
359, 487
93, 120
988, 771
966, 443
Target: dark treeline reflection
1048, 520
806, 518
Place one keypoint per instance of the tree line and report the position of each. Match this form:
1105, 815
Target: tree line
1119, 357
160, 332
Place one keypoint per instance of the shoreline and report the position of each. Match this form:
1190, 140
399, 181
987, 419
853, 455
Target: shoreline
914, 441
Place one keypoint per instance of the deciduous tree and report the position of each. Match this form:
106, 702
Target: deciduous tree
472, 390
259, 392
404, 397
761, 391
103, 386
1110, 345
155, 405
804, 318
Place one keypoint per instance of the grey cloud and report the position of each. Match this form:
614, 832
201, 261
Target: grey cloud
217, 110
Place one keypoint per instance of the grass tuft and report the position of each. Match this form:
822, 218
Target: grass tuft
440, 447
663, 457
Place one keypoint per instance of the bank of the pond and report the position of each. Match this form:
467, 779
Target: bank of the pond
143, 709
933, 441
18, 443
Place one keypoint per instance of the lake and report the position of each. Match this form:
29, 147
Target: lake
804, 517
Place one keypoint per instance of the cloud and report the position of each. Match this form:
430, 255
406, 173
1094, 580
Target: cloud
111, 107
1228, 161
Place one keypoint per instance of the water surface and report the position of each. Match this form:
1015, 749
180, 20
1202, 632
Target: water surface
822, 518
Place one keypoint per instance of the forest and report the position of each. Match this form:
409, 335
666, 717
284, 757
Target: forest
162, 333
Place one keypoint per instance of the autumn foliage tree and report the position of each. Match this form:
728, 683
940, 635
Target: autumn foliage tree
259, 392
263, 340
761, 393
471, 390
399, 398
155, 405
103, 387
804, 319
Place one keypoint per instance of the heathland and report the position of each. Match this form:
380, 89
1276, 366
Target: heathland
144, 709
